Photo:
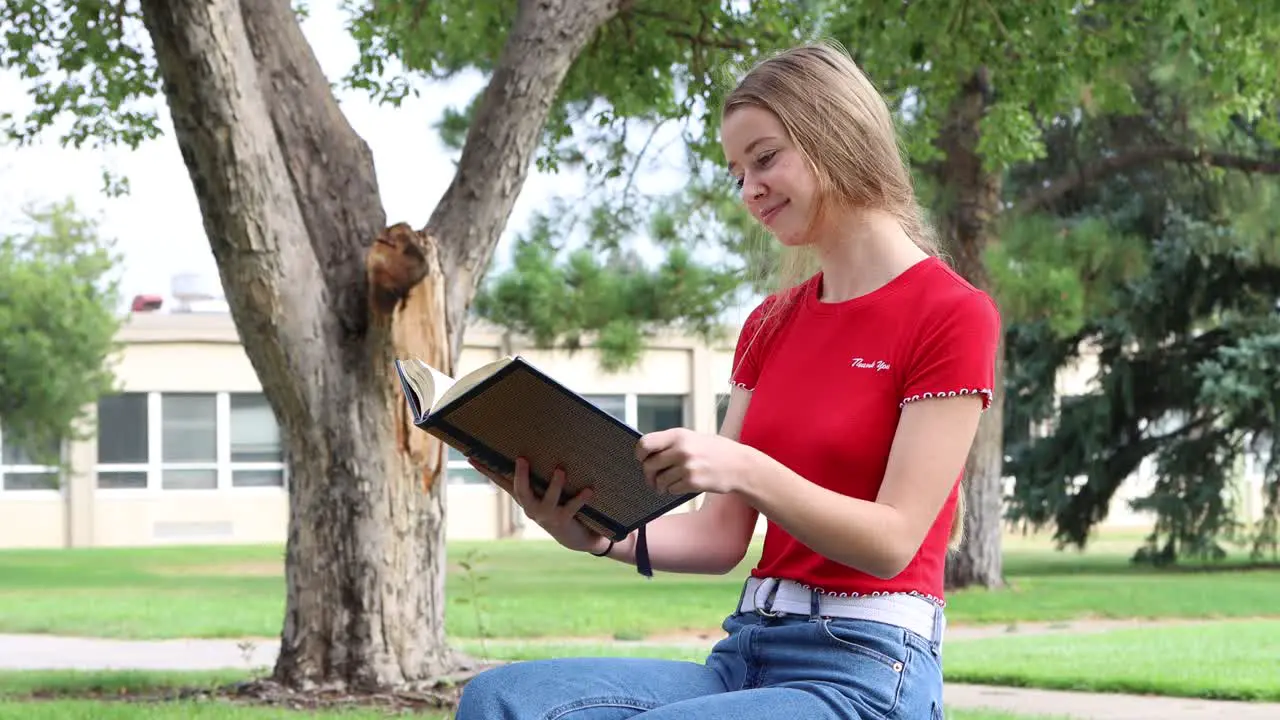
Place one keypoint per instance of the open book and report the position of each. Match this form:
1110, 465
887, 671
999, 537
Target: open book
508, 409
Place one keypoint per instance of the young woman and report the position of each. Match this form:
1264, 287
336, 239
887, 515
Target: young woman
856, 394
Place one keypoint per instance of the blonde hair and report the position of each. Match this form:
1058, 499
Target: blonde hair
843, 129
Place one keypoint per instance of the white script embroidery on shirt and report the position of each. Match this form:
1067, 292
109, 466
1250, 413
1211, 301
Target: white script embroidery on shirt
865, 364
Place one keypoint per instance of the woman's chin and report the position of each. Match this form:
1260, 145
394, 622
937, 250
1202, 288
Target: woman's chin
791, 238
788, 234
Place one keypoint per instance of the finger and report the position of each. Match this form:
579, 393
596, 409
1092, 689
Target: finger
488, 471
657, 463
669, 477
483, 469
501, 480
651, 443
577, 502
644, 446
505, 483
683, 487
520, 483
551, 499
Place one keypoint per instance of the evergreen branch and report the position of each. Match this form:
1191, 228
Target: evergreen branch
1135, 158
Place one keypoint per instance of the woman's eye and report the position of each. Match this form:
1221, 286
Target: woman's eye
766, 158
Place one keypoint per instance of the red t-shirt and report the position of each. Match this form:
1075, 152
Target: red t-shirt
828, 383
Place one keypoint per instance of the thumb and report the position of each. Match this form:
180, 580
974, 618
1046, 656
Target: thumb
653, 442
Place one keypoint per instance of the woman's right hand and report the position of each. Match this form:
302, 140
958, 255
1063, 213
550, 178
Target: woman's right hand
558, 520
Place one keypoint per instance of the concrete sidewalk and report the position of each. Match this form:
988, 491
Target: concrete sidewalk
44, 652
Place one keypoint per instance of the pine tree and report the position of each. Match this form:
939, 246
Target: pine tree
1168, 278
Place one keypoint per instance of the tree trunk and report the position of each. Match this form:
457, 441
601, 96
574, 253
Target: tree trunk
971, 201
325, 296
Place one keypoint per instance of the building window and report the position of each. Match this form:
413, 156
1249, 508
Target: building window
458, 470
188, 441
615, 405
659, 412
123, 441
257, 453
20, 470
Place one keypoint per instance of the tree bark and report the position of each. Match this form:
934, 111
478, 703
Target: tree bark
967, 224
325, 296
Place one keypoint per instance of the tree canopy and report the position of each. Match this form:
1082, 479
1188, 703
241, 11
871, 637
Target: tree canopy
58, 320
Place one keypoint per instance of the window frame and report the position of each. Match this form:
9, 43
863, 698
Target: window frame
31, 469
223, 467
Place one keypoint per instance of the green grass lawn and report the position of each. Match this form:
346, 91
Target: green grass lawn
517, 589
56, 688
1229, 660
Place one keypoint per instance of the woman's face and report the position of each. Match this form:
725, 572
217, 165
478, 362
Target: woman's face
776, 183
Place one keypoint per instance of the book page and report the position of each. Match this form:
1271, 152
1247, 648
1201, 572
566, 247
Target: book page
420, 382
468, 381
436, 385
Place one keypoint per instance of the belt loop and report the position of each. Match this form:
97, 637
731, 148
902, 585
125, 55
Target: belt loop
742, 596
815, 604
770, 586
935, 642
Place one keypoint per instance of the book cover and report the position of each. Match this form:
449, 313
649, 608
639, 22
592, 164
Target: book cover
511, 409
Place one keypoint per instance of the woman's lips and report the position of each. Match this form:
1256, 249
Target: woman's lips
772, 212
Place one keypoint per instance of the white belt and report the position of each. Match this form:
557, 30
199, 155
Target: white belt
791, 598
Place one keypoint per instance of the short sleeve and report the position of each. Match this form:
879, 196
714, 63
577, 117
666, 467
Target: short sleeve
956, 352
749, 350
757, 334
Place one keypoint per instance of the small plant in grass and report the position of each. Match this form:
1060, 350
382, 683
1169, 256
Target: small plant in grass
472, 581
246, 648
628, 635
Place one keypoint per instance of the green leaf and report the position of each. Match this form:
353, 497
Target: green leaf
84, 66
58, 324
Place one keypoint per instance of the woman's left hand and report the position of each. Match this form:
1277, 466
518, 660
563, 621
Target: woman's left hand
680, 460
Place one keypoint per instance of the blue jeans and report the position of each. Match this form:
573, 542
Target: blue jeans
790, 667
